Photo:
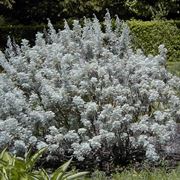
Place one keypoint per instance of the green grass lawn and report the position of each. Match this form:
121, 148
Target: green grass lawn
156, 174
174, 67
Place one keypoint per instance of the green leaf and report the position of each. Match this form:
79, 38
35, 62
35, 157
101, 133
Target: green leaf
30, 163
3, 163
44, 175
58, 174
2, 176
5, 174
67, 174
66, 165
7, 157
2, 153
27, 155
20, 164
77, 175
34, 176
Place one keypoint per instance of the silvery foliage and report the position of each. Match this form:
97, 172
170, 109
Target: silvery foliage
82, 90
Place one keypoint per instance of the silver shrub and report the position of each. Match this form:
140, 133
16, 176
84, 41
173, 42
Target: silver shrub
85, 92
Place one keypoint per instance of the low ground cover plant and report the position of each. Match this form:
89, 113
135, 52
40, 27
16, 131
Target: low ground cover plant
84, 92
15, 168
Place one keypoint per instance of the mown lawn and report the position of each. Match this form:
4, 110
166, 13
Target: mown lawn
156, 174
174, 67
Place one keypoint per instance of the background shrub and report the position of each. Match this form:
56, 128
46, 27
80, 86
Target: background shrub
18, 32
150, 34
34, 12
145, 35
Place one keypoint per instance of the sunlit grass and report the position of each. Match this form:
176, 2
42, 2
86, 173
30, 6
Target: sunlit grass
174, 67
158, 174
146, 174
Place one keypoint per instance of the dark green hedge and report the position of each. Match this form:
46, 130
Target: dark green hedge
146, 35
18, 32
149, 35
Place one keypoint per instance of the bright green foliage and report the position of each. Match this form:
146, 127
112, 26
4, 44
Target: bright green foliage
150, 34
155, 9
17, 168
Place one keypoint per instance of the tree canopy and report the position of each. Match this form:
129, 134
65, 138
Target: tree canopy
33, 11
7, 3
